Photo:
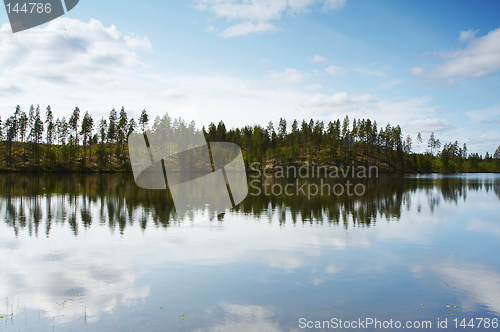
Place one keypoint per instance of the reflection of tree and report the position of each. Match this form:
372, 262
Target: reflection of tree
496, 188
82, 200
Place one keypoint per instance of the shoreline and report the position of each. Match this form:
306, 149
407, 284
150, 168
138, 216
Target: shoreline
249, 171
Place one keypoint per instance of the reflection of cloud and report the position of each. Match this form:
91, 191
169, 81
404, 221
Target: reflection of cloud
316, 281
245, 318
46, 271
43, 276
333, 269
481, 285
287, 262
484, 227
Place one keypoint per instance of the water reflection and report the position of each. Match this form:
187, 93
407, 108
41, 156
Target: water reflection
408, 241
27, 201
235, 317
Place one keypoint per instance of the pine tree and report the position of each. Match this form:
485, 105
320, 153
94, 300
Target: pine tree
112, 126
10, 135
50, 126
221, 131
144, 120
37, 133
103, 129
131, 127
31, 122
408, 143
62, 130
431, 143
86, 132
419, 141
16, 122
23, 124
346, 139
73, 138
212, 132
73, 124
122, 127
282, 130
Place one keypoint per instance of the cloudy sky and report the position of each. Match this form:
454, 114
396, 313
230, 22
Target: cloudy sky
425, 65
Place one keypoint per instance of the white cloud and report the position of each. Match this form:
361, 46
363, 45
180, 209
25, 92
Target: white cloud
317, 59
417, 70
289, 76
370, 72
211, 28
467, 35
254, 15
338, 99
486, 115
481, 57
69, 63
125, 80
389, 85
430, 124
404, 111
488, 141
334, 4
7, 89
314, 87
244, 28
174, 94
335, 71
260, 11
75, 53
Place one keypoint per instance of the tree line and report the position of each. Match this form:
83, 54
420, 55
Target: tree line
344, 143
33, 142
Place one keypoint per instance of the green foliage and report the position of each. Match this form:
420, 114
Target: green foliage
28, 143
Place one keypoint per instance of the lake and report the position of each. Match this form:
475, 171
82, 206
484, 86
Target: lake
97, 253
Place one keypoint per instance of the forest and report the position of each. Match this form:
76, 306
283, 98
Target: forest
36, 142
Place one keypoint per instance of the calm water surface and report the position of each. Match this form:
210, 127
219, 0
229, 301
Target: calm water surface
96, 253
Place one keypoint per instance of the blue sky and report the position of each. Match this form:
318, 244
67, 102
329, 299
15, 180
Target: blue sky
426, 65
